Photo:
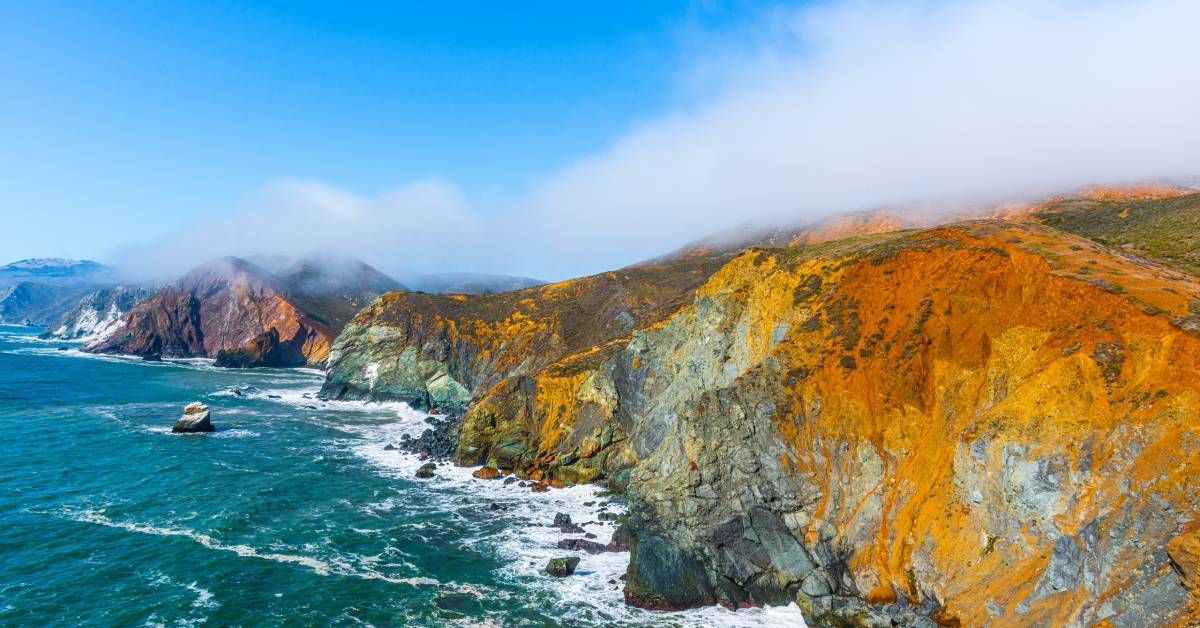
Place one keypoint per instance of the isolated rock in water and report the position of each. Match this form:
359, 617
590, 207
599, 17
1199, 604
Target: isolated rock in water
563, 522
152, 357
562, 567
195, 419
426, 470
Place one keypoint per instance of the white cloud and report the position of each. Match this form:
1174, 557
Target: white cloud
844, 106
296, 217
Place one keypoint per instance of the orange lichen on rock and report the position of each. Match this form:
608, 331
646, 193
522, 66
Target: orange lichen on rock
979, 344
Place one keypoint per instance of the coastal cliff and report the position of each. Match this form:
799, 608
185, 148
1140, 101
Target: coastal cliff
993, 421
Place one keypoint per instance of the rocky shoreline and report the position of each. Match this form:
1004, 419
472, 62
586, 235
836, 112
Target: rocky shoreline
865, 430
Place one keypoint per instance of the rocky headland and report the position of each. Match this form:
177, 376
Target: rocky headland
992, 421
246, 316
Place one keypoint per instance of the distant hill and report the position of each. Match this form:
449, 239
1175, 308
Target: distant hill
30, 303
468, 283
38, 291
53, 270
921, 216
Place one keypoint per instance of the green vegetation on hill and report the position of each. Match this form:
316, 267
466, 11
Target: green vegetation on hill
1163, 229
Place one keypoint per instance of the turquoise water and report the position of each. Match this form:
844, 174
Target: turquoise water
292, 512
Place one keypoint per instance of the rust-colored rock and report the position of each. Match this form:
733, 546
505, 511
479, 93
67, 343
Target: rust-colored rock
258, 318
486, 473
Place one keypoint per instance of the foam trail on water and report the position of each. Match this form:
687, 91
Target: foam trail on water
318, 566
594, 594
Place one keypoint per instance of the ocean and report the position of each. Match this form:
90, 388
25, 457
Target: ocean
292, 512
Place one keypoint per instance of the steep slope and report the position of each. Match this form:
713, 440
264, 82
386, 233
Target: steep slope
235, 306
93, 315
443, 349
990, 422
333, 289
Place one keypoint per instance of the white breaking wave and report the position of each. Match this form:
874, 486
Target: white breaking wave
320, 567
529, 543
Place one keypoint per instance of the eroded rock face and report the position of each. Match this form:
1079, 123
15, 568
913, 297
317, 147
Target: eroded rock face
268, 350
953, 425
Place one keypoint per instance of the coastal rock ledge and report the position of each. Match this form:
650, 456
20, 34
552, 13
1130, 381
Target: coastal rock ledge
195, 419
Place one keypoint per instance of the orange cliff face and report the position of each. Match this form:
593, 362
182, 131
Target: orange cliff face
993, 422
955, 421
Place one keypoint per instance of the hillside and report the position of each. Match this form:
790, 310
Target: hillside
451, 346
1164, 228
468, 283
992, 421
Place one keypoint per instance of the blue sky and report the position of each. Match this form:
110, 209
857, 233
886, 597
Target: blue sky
555, 139
125, 121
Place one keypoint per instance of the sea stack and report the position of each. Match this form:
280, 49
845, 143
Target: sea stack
195, 419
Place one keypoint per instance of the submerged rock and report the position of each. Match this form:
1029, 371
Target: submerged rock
582, 545
426, 470
562, 567
195, 419
563, 522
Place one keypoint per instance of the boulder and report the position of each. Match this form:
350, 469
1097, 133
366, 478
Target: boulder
486, 473
426, 470
582, 545
195, 419
563, 522
562, 567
